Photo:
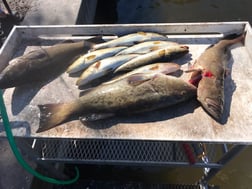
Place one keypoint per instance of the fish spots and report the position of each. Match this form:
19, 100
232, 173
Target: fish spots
142, 33
156, 67
162, 53
97, 65
91, 57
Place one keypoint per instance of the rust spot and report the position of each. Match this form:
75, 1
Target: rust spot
156, 42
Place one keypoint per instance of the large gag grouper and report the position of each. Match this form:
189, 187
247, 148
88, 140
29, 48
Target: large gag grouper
209, 73
42, 64
134, 94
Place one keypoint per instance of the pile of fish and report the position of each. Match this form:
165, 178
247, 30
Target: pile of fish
133, 74
124, 54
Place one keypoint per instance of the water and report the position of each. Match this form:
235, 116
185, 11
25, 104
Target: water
237, 173
157, 11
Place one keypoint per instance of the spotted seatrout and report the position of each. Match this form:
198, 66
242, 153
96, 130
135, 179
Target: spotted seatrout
165, 54
131, 39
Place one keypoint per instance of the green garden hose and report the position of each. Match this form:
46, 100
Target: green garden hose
19, 157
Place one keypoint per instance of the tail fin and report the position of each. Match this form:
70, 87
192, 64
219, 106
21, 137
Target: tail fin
52, 115
234, 38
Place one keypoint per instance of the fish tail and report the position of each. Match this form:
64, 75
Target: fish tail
52, 115
234, 38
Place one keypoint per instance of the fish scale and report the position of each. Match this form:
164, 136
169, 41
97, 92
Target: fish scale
134, 94
209, 76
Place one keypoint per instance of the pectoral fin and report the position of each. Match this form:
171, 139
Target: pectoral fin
139, 78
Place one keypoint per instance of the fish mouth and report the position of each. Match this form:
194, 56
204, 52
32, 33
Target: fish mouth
213, 108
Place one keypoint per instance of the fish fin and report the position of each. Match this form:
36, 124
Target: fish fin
232, 36
210, 46
142, 33
85, 91
227, 72
67, 41
52, 115
139, 78
95, 117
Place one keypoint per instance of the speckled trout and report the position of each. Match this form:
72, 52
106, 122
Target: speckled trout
209, 73
102, 68
146, 47
87, 59
134, 94
165, 54
131, 39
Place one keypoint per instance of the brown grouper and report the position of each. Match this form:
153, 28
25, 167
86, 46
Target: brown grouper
42, 64
134, 94
209, 73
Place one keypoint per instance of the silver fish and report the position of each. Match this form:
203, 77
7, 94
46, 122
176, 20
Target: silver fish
162, 67
89, 58
146, 47
134, 94
102, 68
167, 53
131, 39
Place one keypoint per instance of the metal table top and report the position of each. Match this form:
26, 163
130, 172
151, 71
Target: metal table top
184, 122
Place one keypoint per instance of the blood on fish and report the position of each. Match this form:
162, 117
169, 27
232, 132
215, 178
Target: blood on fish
97, 65
91, 57
208, 74
195, 80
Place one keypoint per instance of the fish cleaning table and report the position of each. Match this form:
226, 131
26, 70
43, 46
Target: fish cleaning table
156, 131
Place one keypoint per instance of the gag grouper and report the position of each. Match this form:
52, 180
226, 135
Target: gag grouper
42, 64
134, 94
131, 39
209, 72
167, 54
